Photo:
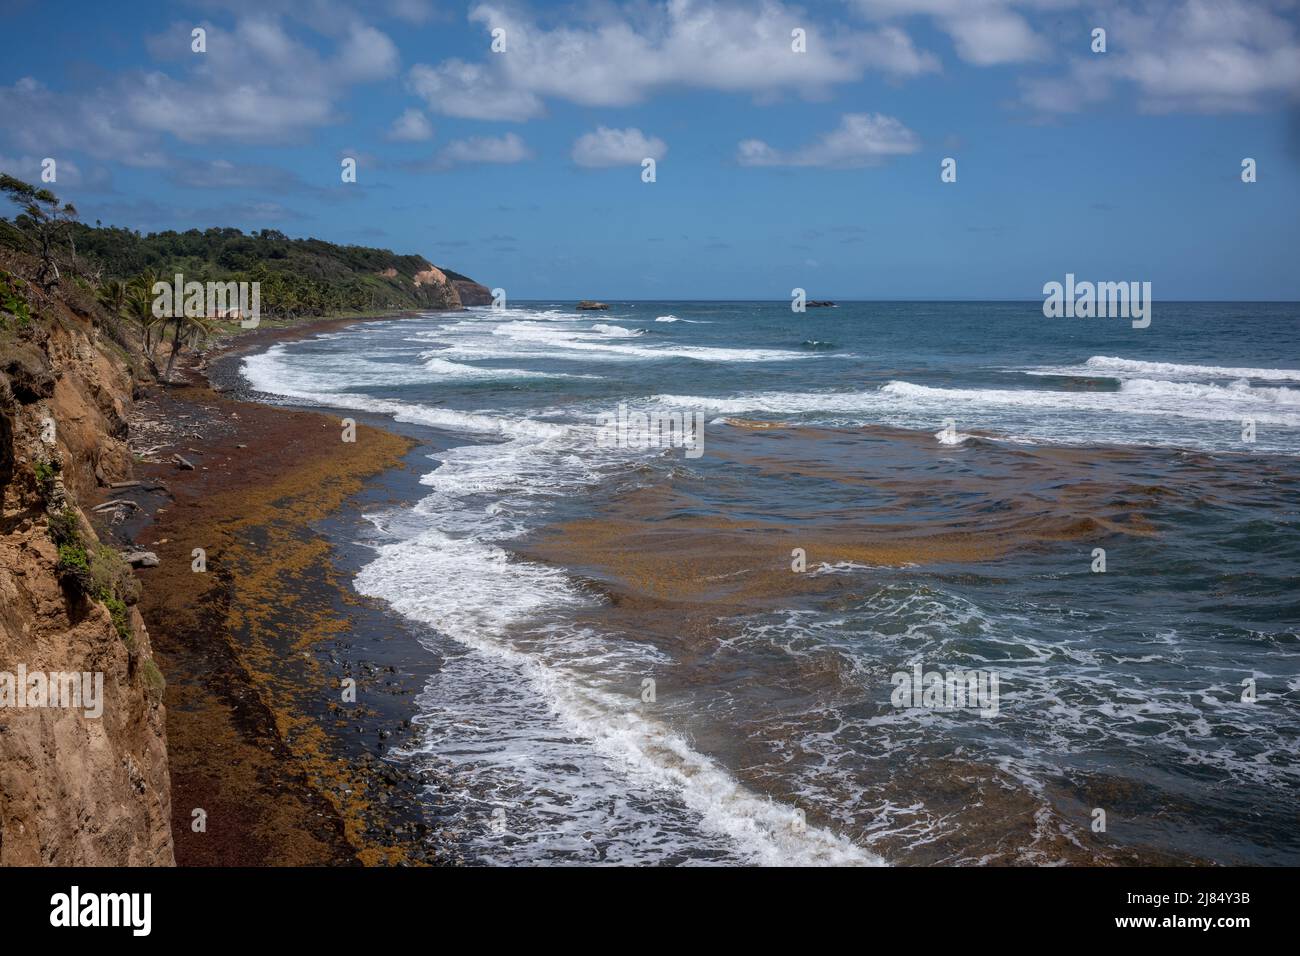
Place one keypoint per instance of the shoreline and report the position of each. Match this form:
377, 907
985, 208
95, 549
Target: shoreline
256, 647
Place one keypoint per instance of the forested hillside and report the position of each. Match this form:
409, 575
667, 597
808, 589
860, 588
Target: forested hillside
298, 276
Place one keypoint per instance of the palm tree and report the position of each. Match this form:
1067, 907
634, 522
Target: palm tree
139, 306
191, 329
112, 296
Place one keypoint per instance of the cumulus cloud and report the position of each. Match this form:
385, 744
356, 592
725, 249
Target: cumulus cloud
256, 83
478, 150
412, 11
1208, 56
983, 32
58, 122
411, 127
861, 139
617, 147
471, 91
617, 56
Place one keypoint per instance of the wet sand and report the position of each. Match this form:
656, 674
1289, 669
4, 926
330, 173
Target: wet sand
254, 649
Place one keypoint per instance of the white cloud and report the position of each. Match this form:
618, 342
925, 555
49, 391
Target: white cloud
412, 11
617, 56
54, 123
992, 37
255, 83
457, 88
411, 127
984, 32
617, 147
483, 149
1209, 56
367, 54
861, 139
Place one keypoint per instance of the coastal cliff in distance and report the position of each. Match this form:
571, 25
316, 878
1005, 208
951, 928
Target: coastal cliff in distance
470, 292
75, 788
299, 278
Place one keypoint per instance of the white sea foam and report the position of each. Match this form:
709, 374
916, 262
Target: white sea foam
448, 573
1139, 397
615, 331
474, 593
571, 341
1105, 365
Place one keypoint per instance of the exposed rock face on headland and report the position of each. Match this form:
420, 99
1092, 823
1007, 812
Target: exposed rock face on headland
472, 293
437, 288
444, 289
74, 789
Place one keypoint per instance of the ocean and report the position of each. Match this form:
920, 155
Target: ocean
697, 651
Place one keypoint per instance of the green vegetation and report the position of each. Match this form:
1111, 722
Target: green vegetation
41, 226
101, 574
299, 277
13, 303
45, 473
117, 608
74, 562
119, 268
153, 679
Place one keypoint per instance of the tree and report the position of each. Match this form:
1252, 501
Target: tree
139, 306
191, 329
41, 224
113, 295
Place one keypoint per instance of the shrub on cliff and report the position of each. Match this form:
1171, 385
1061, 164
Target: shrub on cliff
14, 312
41, 227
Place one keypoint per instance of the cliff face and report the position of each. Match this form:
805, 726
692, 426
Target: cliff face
76, 788
436, 288
471, 292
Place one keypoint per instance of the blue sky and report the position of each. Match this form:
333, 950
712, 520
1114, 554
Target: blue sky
775, 169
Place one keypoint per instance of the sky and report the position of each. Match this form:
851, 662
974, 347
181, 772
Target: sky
774, 168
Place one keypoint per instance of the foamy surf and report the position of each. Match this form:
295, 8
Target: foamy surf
495, 604
448, 575
536, 711
1177, 414
1135, 368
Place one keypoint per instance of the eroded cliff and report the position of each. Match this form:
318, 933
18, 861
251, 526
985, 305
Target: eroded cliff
85, 784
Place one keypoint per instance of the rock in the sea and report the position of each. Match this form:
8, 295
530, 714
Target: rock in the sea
141, 559
820, 304
587, 305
